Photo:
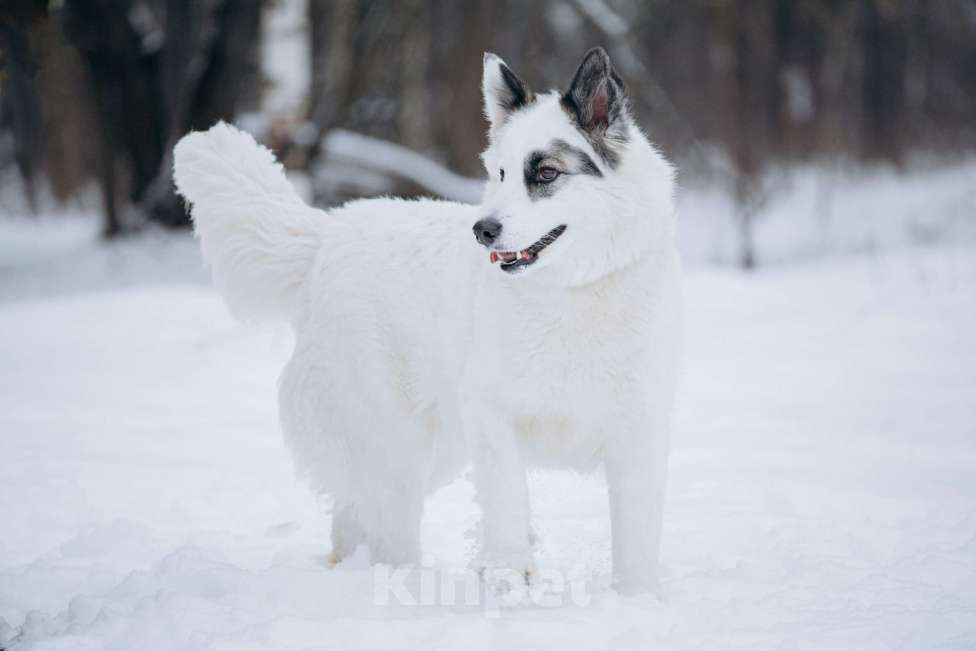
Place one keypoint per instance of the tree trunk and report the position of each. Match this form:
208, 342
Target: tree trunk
20, 107
156, 70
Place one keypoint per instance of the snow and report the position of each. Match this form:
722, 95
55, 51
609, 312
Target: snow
822, 491
65, 255
833, 208
374, 155
285, 56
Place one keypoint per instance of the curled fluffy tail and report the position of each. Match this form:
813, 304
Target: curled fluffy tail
256, 233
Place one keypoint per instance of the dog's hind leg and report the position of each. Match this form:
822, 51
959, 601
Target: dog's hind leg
394, 530
391, 474
347, 531
384, 514
386, 517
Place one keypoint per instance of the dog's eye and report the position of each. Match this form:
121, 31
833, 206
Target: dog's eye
501, 174
548, 174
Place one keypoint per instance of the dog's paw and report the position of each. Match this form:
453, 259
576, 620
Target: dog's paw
357, 558
636, 585
507, 576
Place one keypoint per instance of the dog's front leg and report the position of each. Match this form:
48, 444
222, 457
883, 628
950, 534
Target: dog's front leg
502, 492
636, 466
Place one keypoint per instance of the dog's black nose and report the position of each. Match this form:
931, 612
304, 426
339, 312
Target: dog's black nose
487, 230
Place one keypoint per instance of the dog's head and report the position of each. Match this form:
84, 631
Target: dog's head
575, 190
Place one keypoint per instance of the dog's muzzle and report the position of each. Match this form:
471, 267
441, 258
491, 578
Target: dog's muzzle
513, 261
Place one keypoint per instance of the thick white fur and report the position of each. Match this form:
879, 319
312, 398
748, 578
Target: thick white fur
415, 355
258, 236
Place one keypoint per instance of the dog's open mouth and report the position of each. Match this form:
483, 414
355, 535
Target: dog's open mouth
517, 260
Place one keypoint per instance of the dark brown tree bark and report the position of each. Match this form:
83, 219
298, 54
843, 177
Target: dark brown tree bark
209, 72
155, 73
20, 106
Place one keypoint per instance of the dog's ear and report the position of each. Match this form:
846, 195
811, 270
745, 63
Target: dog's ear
503, 91
596, 96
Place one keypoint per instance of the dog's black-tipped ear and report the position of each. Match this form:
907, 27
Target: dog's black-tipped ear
596, 96
503, 91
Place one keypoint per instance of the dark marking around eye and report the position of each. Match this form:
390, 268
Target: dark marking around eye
501, 174
533, 163
584, 164
561, 157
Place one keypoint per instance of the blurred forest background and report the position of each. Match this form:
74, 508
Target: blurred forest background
94, 93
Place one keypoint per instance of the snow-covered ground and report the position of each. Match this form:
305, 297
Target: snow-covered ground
834, 208
822, 493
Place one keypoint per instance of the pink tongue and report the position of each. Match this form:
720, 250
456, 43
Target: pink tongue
504, 256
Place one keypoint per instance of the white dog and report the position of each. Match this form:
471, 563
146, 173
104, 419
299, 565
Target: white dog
548, 337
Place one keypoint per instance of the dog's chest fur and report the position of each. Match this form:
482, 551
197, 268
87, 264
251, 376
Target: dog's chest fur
563, 364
